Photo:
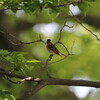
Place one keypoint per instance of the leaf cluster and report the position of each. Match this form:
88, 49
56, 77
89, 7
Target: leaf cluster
38, 5
5, 95
16, 61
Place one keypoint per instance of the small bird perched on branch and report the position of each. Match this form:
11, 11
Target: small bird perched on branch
52, 49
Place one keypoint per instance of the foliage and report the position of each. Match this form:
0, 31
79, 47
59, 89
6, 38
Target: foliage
39, 5
17, 61
6, 95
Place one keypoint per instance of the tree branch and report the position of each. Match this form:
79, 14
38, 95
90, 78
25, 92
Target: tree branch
46, 65
23, 78
50, 81
19, 41
84, 26
55, 81
32, 91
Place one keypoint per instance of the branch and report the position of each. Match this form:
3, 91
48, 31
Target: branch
32, 91
61, 31
23, 78
20, 42
66, 50
50, 81
65, 4
60, 59
55, 81
46, 65
84, 26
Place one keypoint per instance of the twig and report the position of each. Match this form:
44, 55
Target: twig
72, 47
69, 26
46, 65
24, 79
65, 4
84, 26
61, 31
64, 47
67, 51
58, 60
20, 42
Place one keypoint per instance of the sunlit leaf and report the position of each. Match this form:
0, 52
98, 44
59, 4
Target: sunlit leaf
4, 52
32, 61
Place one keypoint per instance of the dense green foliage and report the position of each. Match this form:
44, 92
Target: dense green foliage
39, 5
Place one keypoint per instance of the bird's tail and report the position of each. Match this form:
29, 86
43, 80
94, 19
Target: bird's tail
60, 54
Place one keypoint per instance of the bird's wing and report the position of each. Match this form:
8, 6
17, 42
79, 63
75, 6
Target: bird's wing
53, 48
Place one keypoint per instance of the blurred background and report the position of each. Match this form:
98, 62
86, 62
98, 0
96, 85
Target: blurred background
84, 64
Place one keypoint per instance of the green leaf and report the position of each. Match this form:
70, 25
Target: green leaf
6, 95
83, 6
4, 52
32, 61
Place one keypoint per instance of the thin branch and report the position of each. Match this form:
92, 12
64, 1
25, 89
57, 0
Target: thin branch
65, 4
58, 60
64, 47
61, 31
67, 52
23, 78
72, 47
84, 26
69, 26
46, 65
20, 42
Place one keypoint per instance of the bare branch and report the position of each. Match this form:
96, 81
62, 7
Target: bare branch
84, 26
65, 55
55, 81
64, 47
61, 31
69, 26
72, 47
46, 65
50, 81
20, 42
58, 60
32, 91
23, 78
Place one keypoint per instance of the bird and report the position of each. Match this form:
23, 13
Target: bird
52, 49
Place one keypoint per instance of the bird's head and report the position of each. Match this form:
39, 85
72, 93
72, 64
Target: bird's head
48, 40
